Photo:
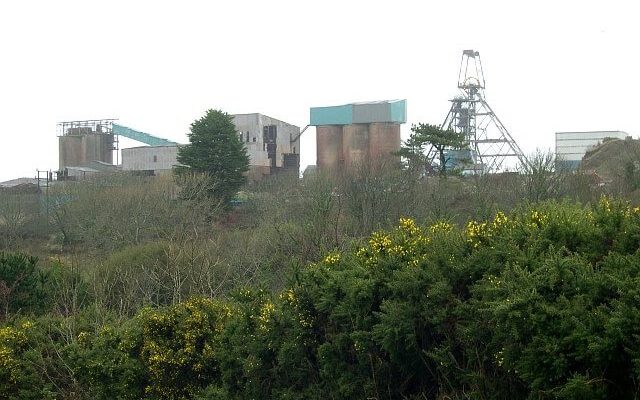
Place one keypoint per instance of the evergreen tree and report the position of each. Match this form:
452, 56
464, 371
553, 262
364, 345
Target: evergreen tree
431, 135
216, 150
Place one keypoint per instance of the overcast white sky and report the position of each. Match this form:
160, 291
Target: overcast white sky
158, 65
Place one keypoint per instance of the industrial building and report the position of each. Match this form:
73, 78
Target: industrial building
572, 146
353, 135
272, 145
153, 160
86, 147
81, 142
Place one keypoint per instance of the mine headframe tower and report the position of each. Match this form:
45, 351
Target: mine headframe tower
489, 142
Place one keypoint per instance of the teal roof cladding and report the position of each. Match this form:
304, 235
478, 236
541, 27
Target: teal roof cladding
334, 115
393, 111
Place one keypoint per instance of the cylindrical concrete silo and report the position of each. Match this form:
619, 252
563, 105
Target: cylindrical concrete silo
78, 149
370, 133
329, 147
70, 151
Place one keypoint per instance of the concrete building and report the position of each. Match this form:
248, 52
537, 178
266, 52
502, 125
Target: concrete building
273, 146
572, 146
352, 135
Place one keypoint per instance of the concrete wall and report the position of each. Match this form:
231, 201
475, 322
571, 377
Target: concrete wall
250, 129
78, 150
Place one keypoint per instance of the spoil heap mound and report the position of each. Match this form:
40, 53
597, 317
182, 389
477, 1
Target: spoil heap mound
608, 160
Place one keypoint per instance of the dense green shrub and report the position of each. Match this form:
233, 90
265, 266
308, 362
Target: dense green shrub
22, 284
540, 303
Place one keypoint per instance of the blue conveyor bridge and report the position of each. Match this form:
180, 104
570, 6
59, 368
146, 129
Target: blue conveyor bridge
141, 137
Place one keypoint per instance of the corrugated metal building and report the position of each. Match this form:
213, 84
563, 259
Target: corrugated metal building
572, 146
159, 159
352, 135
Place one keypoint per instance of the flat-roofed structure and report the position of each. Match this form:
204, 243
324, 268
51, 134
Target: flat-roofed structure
357, 134
273, 145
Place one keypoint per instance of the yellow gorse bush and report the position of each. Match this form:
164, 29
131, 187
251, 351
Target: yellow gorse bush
331, 259
408, 241
12, 342
475, 231
408, 226
537, 219
179, 339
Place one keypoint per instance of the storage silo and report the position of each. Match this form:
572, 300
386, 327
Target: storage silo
357, 134
82, 142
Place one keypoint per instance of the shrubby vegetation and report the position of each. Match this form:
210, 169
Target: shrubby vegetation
538, 302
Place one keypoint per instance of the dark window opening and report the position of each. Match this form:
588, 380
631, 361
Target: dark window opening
270, 138
155, 158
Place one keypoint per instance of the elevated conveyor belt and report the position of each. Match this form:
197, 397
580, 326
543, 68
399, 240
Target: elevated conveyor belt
140, 136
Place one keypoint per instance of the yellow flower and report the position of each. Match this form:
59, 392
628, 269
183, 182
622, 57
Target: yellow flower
605, 204
500, 220
379, 242
537, 219
441, 227
475, 231
332, 259
409, 226
289, 296
266, 312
